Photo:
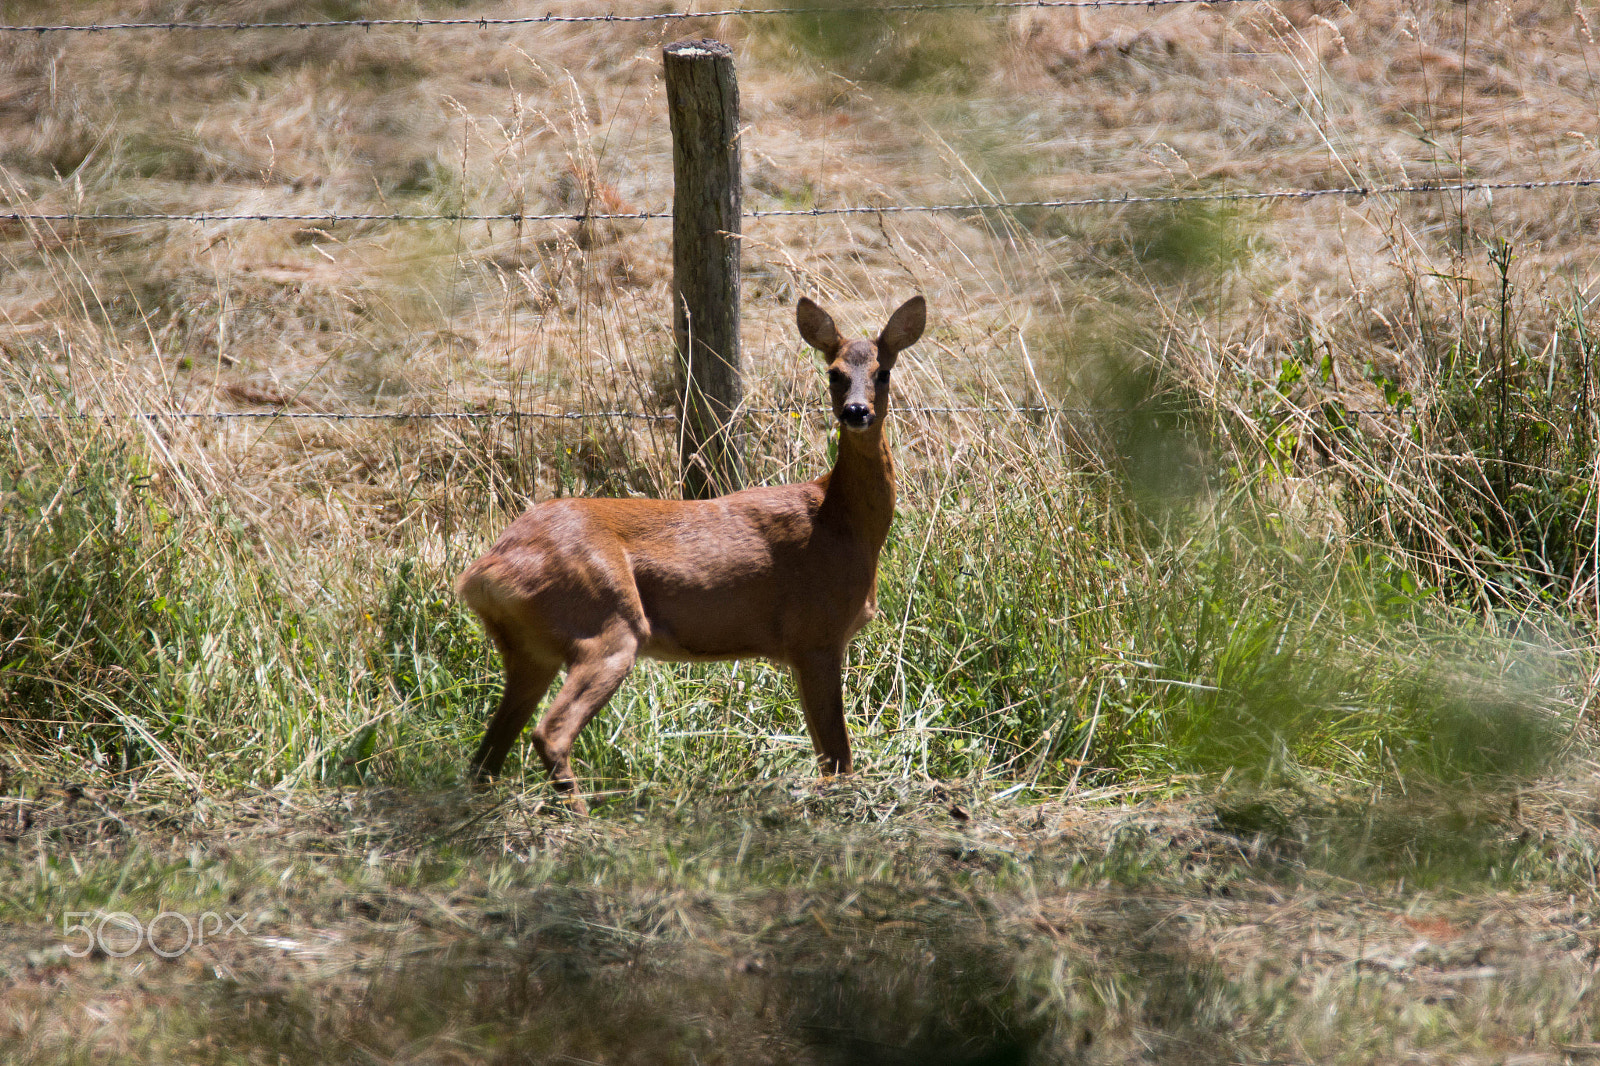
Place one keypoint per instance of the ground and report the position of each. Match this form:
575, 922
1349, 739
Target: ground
798, 921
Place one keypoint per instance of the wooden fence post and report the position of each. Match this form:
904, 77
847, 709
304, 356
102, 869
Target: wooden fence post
703, 102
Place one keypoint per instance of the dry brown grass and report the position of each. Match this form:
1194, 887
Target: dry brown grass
439, 317
547, 118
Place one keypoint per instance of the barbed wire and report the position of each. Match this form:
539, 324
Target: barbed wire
574, 416
536, 20
1349, 192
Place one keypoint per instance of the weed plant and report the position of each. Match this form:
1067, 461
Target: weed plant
1513, 438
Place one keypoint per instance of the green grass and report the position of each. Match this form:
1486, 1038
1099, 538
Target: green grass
1057, 635
938, 51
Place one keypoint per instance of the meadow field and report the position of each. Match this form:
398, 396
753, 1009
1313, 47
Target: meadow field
1231, 700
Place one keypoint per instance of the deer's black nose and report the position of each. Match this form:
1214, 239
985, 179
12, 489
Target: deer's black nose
858, 415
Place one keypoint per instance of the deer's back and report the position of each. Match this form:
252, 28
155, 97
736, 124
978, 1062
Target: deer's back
751, 573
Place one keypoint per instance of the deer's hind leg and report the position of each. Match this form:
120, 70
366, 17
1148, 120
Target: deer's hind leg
595, 669
529, 672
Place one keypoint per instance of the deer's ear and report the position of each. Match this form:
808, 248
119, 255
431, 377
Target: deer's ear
816, 327
905, 326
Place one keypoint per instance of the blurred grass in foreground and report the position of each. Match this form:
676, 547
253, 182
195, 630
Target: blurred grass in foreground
789, 922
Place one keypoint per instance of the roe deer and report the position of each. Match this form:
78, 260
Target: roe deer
788, 573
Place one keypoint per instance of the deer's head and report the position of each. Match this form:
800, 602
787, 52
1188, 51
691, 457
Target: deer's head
858, 370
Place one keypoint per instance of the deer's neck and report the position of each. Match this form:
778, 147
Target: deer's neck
859, 492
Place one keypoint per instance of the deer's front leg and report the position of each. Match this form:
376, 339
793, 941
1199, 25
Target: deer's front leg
820, 675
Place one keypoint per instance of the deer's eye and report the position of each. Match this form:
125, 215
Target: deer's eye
883, 377
835, 376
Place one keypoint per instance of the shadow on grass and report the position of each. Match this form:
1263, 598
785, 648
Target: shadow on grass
765, 929
569, 977
1432, 836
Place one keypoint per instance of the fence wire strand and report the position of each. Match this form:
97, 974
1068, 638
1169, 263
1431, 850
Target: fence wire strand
548, 19
1020, 410
476, 416
1356, 192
